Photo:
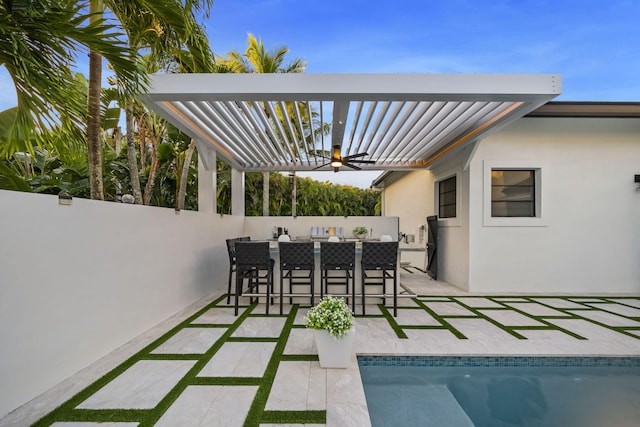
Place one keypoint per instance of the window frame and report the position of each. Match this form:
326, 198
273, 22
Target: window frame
453, 178
539, 220
532, 174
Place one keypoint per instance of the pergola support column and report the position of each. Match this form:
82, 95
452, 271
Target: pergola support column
207, 180
237, 192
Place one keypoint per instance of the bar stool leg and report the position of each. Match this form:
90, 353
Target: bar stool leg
395, 295
353, 288
281, 286
364, 293
238, 285
313, 278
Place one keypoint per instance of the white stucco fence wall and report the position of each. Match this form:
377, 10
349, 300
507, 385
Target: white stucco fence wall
78, 281
588, 239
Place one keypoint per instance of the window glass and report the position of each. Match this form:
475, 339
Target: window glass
513, 193
447, 198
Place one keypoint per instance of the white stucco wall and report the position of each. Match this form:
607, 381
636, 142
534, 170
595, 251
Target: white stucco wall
588, 238
409, 196
453, 233
78, 281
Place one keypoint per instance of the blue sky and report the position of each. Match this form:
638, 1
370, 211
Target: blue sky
594, 45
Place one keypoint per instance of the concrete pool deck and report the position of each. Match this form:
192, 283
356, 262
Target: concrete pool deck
205, 366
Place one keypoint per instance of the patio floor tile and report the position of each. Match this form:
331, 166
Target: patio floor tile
264, 327
200, 406
510, 318
300, 342
618, 309
480, 329
191, 341
628, 301
142, 386
298, 386
415, 316
558, 303
218, 315
607, 318
448, 309
239, 359
536, 309
479, 302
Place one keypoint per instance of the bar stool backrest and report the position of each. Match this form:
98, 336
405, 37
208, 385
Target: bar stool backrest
296, 255
379, 255
339, 254
252, 255
231, 247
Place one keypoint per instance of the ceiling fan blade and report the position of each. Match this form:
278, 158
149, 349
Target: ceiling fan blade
349, 165
361, 161
353, 156
321, 166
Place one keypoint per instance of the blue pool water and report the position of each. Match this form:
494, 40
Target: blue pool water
527, 392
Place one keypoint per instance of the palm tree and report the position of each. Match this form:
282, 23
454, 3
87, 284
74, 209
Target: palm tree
256, 59
162, 26
39, 44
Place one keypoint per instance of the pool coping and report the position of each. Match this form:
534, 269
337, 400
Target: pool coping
499, 361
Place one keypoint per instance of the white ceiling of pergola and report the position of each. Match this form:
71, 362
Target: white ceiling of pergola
258, 122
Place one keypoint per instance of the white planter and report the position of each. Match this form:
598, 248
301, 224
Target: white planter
334, 353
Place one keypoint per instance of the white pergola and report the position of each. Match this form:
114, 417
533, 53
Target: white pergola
260, 122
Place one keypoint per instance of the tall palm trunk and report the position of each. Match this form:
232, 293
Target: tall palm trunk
294, 195
153, 168
94, 147
184, 176
131, 155
265, 194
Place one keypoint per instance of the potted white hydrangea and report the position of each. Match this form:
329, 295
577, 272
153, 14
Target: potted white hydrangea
332, 322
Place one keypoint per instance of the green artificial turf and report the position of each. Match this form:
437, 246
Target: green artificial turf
68, 411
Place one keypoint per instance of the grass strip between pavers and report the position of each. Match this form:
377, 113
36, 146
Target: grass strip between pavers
573, 313
392, 322
191, 376
299, 358
257, 413
494, 322
107, 415
441, 319
65, 411
294, 417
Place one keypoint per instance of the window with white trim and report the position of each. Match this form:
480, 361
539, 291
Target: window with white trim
513, 193
447, 197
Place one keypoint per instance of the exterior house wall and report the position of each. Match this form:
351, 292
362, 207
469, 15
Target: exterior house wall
587, 238
409, 196
453, 233
77, 282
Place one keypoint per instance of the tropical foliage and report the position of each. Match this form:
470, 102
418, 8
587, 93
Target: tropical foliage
64, 136
313, 197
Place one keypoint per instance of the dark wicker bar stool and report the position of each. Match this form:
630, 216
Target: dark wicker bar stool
338, 257
253, 263
382, 258
297, 266
231, 251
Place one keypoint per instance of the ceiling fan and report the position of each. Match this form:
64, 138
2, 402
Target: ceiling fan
337, 161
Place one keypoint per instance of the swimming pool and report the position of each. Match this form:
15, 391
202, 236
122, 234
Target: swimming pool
501, 391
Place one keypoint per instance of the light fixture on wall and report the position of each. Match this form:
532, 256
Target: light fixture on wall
636, 179
64, 199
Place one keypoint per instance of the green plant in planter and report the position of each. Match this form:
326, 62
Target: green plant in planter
332, 314
360, 231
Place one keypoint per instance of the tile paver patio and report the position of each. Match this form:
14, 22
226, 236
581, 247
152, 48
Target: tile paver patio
266, 368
